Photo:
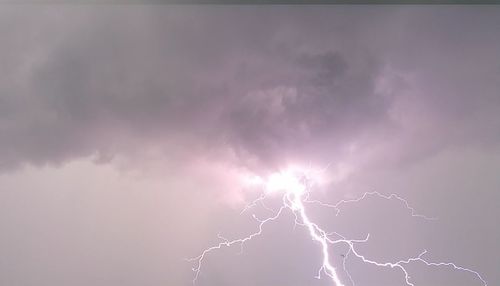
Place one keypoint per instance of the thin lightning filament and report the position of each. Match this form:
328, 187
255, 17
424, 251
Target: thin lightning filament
294, 187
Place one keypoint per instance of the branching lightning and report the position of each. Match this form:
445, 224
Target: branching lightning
295, 186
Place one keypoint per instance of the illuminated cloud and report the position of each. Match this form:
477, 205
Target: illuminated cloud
391, 99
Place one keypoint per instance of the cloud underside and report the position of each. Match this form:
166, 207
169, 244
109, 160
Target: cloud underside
253, 85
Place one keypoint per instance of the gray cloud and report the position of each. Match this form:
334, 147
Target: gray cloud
97, 80
407, 96
176, 80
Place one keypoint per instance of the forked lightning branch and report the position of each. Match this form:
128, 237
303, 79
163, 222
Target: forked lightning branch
294, 186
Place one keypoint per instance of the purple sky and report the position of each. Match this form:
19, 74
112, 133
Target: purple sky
123, 130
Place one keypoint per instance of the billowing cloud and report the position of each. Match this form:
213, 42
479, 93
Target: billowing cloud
379, 92
102, 87
107, 81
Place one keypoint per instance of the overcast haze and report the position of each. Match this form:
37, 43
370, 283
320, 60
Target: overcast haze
124, 130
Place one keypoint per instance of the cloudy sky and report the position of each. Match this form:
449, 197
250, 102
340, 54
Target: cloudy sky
124, 131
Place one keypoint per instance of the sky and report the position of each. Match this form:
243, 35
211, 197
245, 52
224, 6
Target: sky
125, 131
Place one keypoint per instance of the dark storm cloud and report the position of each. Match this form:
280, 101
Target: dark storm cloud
267, 85
323, 107
400, 92
169, 79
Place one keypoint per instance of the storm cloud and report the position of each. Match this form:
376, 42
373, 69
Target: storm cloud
404, 98
297, 82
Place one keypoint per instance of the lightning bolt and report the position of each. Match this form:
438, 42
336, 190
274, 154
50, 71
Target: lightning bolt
296, 186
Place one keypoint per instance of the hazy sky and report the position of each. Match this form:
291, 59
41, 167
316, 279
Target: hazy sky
124, 130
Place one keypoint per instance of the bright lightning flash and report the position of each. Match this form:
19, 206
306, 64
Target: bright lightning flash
294, 185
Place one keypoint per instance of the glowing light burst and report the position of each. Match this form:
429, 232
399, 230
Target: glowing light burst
294, 185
